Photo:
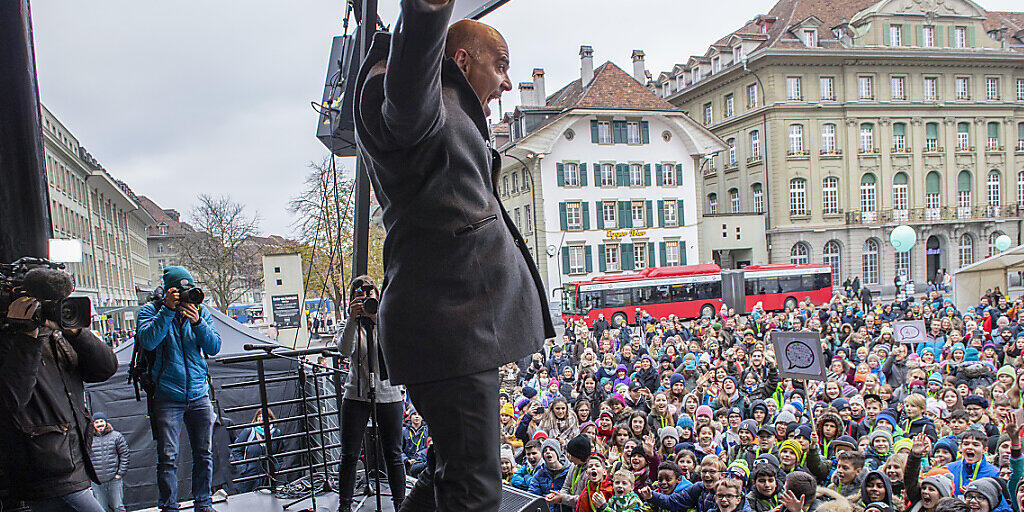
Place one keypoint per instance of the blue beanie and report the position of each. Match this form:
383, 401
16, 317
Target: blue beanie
685, 422
674, 379
175, 277
949, 444
798, 405
887, 415
529, 392
971, 354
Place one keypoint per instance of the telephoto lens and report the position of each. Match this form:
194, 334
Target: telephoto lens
193, 295
370, 305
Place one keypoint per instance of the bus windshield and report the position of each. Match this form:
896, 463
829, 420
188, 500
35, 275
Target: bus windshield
569, 300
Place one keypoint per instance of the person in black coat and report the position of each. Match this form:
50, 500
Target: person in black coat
452, 256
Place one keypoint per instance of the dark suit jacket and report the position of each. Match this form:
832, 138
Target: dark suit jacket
461, 293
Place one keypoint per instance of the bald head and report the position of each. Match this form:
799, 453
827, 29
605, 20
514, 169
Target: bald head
482, 55
473, 37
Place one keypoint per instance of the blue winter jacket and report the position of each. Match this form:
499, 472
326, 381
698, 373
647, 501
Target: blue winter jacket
181, 377
694, 497
961, 469
545, 482
523, 476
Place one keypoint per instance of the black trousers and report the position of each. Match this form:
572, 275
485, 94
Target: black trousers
354, 415
463, 470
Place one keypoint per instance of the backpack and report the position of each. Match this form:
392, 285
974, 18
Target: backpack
140, 368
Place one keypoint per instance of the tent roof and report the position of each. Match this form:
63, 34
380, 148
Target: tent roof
232, 336
1009, 260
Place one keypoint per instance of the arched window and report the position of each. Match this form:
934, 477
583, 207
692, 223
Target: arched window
963, 136
796, 139
992, 187
798, 196
992, 243
731, 155
830, 255
799, 254
869, 261
900, 192
868, 193
712, 203
830, 195
966, 250
758, 194
734, 200
902, 260
828, 138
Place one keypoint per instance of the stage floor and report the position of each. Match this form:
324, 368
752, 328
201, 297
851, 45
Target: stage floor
265, 502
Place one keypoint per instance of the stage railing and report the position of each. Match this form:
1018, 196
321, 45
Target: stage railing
318, 440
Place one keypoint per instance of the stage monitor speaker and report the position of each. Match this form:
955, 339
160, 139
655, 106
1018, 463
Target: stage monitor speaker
512, 499
336, 124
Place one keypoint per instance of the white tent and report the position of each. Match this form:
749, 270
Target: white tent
970, 282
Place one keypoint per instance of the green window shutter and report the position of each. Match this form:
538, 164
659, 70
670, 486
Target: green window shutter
620, 131
599, 210
625, 216
993, 130
900, 179
651, 261
650, 214
679, 214
906, 34
920, 35
602, 265
952, 36
565, 260
645, 132
560, 172
588, 257
970, 37
593, 131
658, 178
1020, 131
661, 248
682, 252
939, 39
647, 175
583, 175
563, 222
627, 257
931, 130
585, 207
963, 181
899, 129
932, 183
661, 213
679, 174
597, 175
621, 175
885, 34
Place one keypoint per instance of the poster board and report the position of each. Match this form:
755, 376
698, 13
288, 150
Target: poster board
909, 331
798, 355
286, 311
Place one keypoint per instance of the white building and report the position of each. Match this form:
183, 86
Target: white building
599, 176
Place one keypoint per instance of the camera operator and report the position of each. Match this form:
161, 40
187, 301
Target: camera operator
180, 334
46, 440
355, 407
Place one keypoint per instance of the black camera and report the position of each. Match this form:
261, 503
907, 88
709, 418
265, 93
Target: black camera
191, 295
370, 305
44, 281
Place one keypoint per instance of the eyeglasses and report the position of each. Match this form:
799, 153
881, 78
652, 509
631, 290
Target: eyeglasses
973, 497
726, 496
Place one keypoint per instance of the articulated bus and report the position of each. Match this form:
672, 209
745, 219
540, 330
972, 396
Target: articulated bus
691, 291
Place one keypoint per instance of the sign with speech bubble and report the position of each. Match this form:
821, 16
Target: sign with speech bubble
798, 355
908, 331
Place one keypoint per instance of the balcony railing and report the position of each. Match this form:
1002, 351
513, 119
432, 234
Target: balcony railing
867, 151
934, 214
798, 153
831, 152
753, 160
934, 149
899, 150
710, 171
731, 166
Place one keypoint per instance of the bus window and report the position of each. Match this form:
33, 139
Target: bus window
750, 286
589, 300
822, 280
807, 282
661, 295
618, 298
569, 306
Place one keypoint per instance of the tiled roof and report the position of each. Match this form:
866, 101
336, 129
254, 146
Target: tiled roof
611, 88
174, 227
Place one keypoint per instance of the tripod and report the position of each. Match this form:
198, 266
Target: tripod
366, 325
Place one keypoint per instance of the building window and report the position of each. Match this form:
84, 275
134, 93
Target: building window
758, 195
992, 243
828, 89
708, 114
793, 88
572, 175
737, 53
896, 35
866, 87
868, 193
636, 175
611, 257
1020, 89
504, 186
637, 213
695, 74
830, 255
515, 183
797, 197
752, 94
828, 138
671, 253
1020, 189
577, 261
528, 218
639, 256
633, 132
869, 261
966, 250
931, 88
668, 175
963, 88
899, 137
713, 203
931, 136
518, 219
992, 144
730, 107
755, 145
526, 181
992, 88
799, 254
734, 200
716, 64
669, 211
574, 216
963, 136
992, 188
899, 91
796, 139
731, 154
1020, 136
928, 36
960, 37
900, 193
830, 195
609, 209
604, 132
160, 248
607, 175
902, 264
867, 138
162, 229
963, 190
811, 37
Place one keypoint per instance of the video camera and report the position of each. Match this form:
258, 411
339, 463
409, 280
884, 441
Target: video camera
41, 279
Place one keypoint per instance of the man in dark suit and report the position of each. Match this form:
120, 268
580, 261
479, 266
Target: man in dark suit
452, 257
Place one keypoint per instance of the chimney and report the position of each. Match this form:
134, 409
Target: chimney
586, 65
538, 87
526, 96
639, 68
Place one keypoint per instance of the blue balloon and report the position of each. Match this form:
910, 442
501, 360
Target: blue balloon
1003, 242
903, 238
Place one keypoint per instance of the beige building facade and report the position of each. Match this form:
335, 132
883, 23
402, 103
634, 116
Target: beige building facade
846, 120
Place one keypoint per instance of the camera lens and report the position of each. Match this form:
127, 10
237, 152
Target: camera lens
370, 305
193, 296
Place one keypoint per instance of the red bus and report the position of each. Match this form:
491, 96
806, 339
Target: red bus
692, 291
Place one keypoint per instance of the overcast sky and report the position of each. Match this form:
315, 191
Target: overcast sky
187, 97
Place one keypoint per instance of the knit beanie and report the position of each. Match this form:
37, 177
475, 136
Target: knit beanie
176, 277
529, 392
804, 431
674, 379
99, 416
935, 377
685, 422
941, 482
793, 445
554, 445
785, 417
901, 444
741, 466
665, 432
507, 410
507, 453
987, 487
881, 433
1006, 370
579, 447
845, 440
887, 415
704, 411
749, 426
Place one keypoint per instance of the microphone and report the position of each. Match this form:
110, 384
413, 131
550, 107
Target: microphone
260, 346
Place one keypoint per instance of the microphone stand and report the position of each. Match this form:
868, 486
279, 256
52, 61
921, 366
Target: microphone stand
367, 327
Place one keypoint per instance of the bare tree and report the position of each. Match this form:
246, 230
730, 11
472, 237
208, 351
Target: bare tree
222, 253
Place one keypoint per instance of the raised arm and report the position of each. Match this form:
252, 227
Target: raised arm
412, 82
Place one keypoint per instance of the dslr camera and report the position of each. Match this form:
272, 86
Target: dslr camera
187, 294
42, 280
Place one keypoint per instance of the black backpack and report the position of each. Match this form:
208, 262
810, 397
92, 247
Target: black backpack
140, 374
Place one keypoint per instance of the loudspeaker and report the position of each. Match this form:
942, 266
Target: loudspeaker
336, 124
512, 499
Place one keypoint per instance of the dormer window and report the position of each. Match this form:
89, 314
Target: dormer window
162, 228
696, 75
810, 37
716, 64
737, 53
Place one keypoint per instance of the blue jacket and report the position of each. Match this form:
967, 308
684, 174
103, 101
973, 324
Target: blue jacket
958, 469
523, 476
181, 377
544, 482
692, 497
414, 443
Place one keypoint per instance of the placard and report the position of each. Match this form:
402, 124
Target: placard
798, 355
908, 331
286, 311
